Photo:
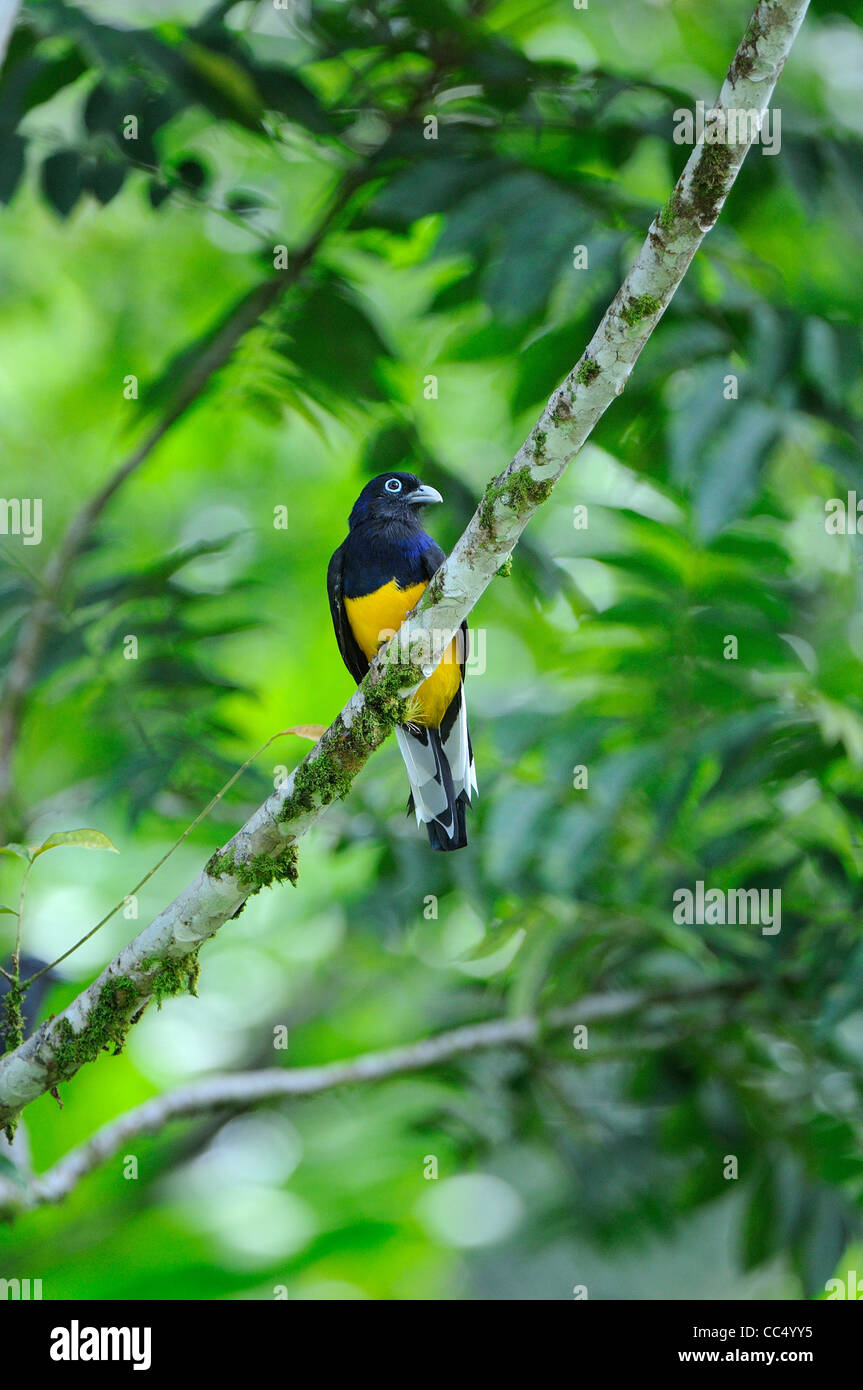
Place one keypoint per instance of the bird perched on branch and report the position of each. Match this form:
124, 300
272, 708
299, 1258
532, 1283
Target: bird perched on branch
374, 579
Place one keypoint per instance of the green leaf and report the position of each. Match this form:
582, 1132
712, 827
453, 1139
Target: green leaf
344, 359
105, 179
76, 839
696, 418
821, 1240
21, 851
494, 961
229, 79
730, 468
10, 910
11, 165
52, 77
535, 250
284, 91
430, 186
62, 180
760, 1228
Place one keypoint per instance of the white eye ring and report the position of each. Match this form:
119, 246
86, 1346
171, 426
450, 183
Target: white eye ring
393, 485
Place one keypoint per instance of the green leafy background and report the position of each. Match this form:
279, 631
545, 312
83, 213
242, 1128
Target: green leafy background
451, 258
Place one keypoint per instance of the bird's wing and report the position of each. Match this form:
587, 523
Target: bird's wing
352, 656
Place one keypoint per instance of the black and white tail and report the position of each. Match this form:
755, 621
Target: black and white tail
442, 775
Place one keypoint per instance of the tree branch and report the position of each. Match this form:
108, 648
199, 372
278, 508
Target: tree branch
162, 958
245, 1089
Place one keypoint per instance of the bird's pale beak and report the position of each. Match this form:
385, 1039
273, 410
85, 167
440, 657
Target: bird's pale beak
423, 494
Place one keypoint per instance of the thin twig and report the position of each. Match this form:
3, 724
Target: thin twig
202, 815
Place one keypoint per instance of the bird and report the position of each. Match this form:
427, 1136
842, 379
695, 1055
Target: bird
374, 579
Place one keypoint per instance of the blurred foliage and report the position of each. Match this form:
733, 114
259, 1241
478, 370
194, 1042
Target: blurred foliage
451, 259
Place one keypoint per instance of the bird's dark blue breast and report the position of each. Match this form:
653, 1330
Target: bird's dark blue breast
376, 556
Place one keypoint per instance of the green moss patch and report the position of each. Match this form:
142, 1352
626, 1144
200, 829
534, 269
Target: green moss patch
12, 1018
709, 181
106, 1028
260, 871
328, 776
670, 211
176, 975
641, 307
519, 490
12, 1035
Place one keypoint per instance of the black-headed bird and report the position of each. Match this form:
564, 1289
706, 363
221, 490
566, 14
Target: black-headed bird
374, 579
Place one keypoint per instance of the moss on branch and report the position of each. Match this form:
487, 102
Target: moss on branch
518, 490
120, 1003
106, 1029
638, 308
588, 371
670, 211
259, 870
175, 975
710, 181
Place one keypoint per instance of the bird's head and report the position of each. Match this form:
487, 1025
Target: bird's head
393, 497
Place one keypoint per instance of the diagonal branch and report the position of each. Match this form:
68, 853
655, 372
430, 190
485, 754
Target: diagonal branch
163, 958
244, 1089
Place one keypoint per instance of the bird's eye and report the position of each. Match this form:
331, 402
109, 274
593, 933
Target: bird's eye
393, 485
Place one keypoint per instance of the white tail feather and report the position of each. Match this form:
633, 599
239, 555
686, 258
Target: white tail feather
424, 773
430, 801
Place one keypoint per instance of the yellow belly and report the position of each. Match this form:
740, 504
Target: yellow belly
375, 617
